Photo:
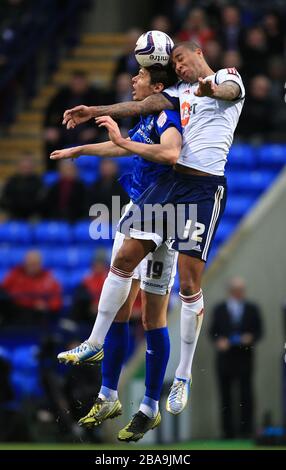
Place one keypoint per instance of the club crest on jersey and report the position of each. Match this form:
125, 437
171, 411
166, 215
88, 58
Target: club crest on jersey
162, 119
232, 71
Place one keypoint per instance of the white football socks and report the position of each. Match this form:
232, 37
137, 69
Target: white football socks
191, 321
113, 295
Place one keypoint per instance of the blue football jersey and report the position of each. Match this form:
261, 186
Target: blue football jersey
148, 131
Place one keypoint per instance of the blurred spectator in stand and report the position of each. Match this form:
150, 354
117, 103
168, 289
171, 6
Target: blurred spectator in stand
13, 428
56, 136
257, 120
236, 327
212, 52
34, 294
196, 28
22, 191
232, 59
107, 186
161, 23
277, 75
66, 199
127, 63
230, 30
254, 52
178, 12
122, 92
274, 34
86, 297
69, 393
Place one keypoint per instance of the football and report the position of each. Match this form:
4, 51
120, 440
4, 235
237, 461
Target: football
153, 47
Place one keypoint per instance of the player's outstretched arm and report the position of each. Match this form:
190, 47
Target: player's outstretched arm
166, 152
103, 149
227, 90
151, 104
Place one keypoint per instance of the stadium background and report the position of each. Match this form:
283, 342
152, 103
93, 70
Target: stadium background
43, 43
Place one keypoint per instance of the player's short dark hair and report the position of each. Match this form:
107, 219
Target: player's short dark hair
160, 74
191, 45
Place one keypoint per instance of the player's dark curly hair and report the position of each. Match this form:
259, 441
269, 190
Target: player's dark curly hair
160, 74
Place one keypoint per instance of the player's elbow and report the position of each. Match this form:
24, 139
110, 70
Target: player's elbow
173, 156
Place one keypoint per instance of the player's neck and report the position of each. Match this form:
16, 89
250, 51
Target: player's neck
206, 71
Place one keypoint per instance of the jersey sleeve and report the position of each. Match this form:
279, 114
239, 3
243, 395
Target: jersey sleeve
172, 94
230, 74
168, 119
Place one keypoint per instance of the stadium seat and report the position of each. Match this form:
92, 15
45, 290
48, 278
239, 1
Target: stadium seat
224, 231
272, 155
81, 232
71, 257
242, 156
87, 162
3, 273
11, 257
52, 232
86, 232
16, 232
68, 279
237, 207
88, 177
51, 177
251, 182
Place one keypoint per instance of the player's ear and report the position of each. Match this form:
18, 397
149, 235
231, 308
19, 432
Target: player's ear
158, 87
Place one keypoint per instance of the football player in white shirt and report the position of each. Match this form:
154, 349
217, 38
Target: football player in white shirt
210, 104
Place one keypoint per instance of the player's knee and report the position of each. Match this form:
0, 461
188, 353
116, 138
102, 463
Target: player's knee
189, 287
124, 260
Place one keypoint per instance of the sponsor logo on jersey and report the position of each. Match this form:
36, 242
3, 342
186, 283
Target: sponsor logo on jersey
162, 119
185, 113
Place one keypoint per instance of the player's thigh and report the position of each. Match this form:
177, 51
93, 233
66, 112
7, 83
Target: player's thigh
124, 314
154, 310
158, 270
131, 253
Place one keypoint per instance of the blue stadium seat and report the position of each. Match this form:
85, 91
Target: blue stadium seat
272, 155
88, 177
10, 257
250, 182
81, 232
16, 232
51, 177
53, 232
224, 231
68, 279
242, 156
5, 257
87, 162
71, 257
3, 273
237, 207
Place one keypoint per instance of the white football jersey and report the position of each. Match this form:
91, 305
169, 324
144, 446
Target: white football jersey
208, 124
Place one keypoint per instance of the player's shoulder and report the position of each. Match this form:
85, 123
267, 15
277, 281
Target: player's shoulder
166, 116
223, 74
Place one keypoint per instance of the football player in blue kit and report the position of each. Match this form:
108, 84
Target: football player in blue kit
158, 138
210, 104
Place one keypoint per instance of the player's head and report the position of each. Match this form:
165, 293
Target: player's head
188, 61
150, 80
